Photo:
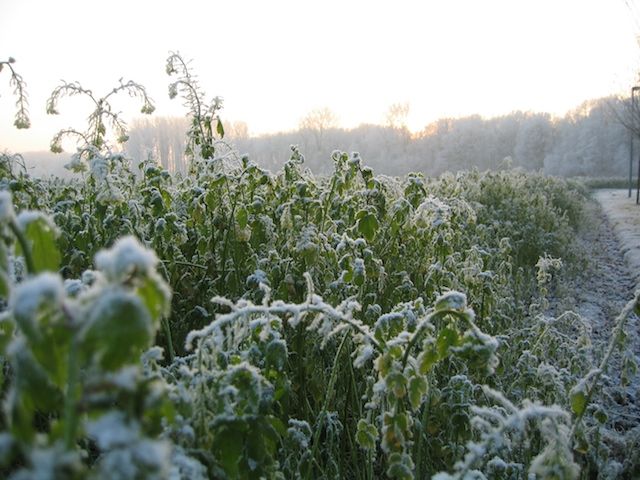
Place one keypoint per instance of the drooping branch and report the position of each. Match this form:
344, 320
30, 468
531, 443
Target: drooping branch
22, 120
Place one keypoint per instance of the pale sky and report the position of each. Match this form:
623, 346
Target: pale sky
273, 61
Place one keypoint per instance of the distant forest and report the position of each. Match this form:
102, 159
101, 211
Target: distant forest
588, 141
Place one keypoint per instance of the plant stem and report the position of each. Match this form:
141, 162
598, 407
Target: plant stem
328, 395
167, 332
70, 416
24, 244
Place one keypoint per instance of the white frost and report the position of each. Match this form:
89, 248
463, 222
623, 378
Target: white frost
111, 430
30, 295
6, 207
127, 256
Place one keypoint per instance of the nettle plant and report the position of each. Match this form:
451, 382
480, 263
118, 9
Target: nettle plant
106, 166
204, 118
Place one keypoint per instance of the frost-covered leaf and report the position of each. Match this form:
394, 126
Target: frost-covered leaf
117, 330
367, 435
451, 301
128, 257
397, 383
35, 302
400, 466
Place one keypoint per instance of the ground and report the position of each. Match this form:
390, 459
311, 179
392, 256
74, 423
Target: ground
624, 216
610, 245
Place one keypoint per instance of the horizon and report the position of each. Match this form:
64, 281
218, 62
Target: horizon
414, 133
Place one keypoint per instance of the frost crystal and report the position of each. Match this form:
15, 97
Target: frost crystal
183, 466
126, 257
29, 216
74, 287
433, 212
366, 352
111, 430
29, 296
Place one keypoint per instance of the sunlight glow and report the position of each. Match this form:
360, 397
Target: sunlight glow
273, 62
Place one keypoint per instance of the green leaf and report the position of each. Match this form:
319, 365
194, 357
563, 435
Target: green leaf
367, 435
429, 357
242, 217
155, 297
6, 334
5, 286
448, 337
33, 382
417, 390
368, 226
384, 362
220, 128
578, 402
277, 425
397, 383
600, 415
42, 238
400, 466
118, 328
230, 444
276, 354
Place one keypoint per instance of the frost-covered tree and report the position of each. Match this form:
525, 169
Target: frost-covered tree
533, 141
317, 122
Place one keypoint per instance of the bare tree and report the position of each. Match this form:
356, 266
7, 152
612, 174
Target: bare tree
627, 111
318, 121
238, 130
396, 115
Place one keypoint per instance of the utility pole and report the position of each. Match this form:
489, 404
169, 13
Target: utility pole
632, 133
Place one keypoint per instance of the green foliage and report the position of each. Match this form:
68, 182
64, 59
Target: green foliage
73, 352
339, 342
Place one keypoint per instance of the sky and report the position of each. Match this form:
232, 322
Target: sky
274, 61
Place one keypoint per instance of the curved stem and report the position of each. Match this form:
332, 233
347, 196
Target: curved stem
24, 245
414, 340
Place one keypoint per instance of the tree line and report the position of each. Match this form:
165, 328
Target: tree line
590, 140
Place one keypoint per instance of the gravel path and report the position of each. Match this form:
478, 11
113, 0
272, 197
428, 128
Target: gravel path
610, 241
624, 216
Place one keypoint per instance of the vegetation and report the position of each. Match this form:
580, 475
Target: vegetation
238, 323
